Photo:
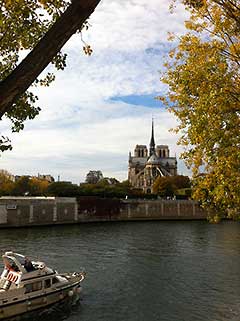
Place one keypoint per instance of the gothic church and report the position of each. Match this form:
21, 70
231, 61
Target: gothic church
144, 167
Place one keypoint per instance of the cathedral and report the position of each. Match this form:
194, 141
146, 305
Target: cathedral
145, 166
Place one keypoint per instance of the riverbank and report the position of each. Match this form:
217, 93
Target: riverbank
31, 211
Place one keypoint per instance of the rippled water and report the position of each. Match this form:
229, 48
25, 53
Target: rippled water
145, 271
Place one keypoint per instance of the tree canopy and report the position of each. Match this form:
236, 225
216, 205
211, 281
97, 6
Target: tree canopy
204, 93
171, 185
25, 185
38, 28
6, 184
94, 176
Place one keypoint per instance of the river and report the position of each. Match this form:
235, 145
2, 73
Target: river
141, 271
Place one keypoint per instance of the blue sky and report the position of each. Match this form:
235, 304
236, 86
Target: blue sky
101, 106
149, 100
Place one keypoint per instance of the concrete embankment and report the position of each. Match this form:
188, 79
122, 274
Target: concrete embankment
30, 211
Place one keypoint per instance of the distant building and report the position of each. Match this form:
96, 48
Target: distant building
17, 177
145, 166
47, 177
111, 180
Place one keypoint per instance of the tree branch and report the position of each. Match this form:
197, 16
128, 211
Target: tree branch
37, 60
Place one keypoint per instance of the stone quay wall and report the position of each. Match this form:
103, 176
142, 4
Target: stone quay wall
31, 211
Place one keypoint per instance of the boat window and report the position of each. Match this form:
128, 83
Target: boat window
37, 286
55, 280
28, 288
47, 283
31, 287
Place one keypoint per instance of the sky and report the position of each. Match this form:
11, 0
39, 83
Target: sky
101, 106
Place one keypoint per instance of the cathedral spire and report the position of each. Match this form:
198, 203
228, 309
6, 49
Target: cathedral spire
152, 142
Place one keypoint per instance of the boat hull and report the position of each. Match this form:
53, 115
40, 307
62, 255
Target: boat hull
39, 300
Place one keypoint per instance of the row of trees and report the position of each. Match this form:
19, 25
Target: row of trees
164, 187
23, 186
26, 186
101, 189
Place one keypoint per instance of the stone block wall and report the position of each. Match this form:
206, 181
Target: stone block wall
163, 210
25, 211
30, 211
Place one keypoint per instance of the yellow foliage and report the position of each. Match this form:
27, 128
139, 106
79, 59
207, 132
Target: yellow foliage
204, 94
6, 185
38, 186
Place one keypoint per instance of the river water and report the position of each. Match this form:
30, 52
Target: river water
141, 271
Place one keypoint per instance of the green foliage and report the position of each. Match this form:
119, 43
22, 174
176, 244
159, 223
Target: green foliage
184, 192
171, 185
31, 186
102, 189
62, 189
22, 24
204, 90
181, 181
5, 144
164, 187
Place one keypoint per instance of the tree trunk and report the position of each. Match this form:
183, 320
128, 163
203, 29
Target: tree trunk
42, 54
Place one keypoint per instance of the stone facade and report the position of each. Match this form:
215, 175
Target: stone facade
144, 167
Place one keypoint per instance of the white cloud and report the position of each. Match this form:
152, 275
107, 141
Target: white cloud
80, 128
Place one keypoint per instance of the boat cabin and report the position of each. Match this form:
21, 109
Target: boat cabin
20, 271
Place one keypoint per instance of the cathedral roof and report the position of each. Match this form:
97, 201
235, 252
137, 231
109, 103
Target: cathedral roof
153, 160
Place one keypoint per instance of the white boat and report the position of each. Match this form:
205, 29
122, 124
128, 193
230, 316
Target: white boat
27, 285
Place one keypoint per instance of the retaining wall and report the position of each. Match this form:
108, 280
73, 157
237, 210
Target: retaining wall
29, 211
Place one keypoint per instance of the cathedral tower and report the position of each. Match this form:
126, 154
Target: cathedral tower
152, 142
144, 168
